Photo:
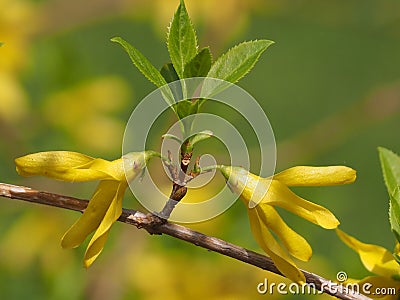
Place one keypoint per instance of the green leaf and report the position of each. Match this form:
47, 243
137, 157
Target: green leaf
189, 143
200, 136
141, 62
394, 213
199, 65
397, 258
181, 39
238, 61
185, 108
172, 137
147, 69
169, 73
390, 163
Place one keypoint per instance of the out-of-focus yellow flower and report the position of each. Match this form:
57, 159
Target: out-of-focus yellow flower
379, 261
219, 24
40, 226
17, 23
260, 195
96, 116
105, 206
13, 99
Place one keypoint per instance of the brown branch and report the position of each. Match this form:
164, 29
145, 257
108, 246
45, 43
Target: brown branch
155, 225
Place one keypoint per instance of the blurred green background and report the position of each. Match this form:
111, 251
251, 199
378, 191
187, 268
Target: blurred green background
330, 87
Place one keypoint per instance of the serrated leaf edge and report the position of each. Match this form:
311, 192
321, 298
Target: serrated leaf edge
383, 161
238, 45
118, 40
182, 3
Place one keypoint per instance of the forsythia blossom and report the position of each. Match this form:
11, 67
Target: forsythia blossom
260, 195
105, 206
380, 261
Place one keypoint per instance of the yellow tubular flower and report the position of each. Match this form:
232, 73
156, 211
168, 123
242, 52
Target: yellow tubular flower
105, 206
260, 195
379, 261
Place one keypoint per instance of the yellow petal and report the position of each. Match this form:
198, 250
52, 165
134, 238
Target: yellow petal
93, 214
76, 167
61, 165
293, 242
268, 243
99, 238
250, 187
375, 258
280, 195
128, 167
112, 170
95, 249
316, 176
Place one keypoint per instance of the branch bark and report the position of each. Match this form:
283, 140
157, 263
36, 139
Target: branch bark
155, 225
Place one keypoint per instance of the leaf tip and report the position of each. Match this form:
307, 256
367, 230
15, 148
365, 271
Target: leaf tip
382, 150
116, 39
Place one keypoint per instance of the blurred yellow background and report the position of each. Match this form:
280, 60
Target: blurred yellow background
330, 87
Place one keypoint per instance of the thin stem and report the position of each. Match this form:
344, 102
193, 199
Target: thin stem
178, 187
210, 168
155, 225
165, 213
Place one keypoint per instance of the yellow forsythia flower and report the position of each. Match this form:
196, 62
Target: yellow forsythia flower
260, 195
379, 261
105, 206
